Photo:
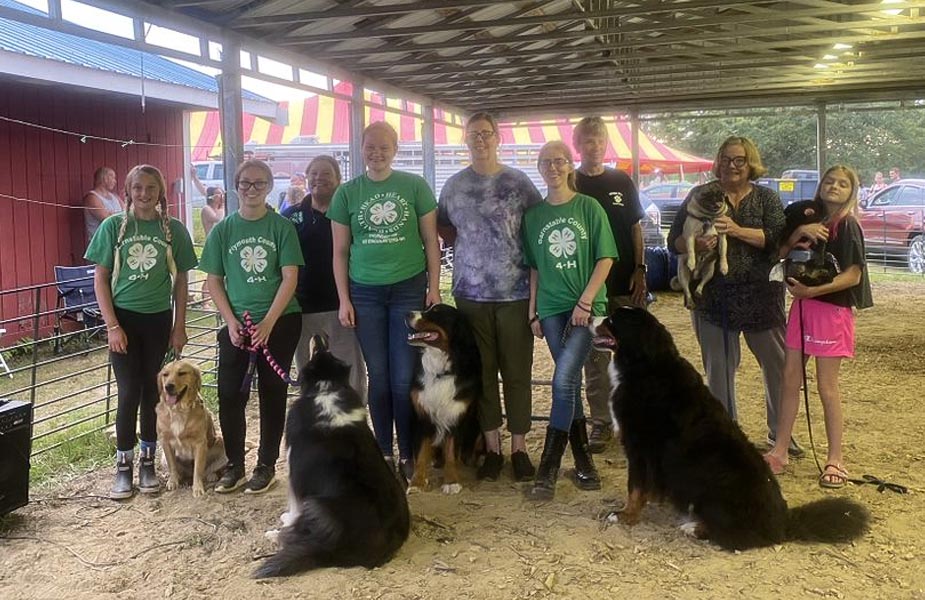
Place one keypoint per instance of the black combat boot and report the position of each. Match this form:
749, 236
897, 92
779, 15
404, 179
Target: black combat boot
148, 482
586, 477
544, 486
122, 485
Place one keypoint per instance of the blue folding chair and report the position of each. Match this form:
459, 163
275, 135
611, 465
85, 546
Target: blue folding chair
76, 302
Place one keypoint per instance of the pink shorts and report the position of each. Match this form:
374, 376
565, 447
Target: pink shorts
828, 329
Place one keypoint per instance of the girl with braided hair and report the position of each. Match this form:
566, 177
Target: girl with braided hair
142, 257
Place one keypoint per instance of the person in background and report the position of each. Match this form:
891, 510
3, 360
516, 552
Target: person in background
878, 184
626, 283
744, 302
317, 291
214, 210
895, 175
480, 213
569, 247
252, 259
142, 257
821, 322
386, 264
293, 194
101, 201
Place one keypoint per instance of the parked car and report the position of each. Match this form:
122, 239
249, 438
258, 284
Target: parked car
668, 198
893, 223
652, 236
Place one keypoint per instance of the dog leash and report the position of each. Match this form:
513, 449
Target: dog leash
865, 479
247, 333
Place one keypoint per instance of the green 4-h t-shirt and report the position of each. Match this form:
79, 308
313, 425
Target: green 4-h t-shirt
383, 220
563, 243
143, 283
250, 256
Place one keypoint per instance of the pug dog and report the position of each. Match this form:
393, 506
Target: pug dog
707, 204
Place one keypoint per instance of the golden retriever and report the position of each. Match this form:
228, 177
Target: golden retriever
186, 428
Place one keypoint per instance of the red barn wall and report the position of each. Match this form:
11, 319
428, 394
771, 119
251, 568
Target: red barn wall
56, 168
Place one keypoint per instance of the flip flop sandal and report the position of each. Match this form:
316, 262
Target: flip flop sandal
776, 466
833, 477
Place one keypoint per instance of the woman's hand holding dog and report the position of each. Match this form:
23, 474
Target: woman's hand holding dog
703, 243
725, 225
178, 338
799, 290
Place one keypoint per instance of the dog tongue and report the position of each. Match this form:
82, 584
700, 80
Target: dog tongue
171, 399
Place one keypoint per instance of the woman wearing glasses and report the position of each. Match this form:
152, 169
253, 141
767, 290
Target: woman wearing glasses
569, 247
743, 302
480, 213
386, 264
252, 259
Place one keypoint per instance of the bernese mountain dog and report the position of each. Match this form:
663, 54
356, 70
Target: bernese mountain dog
346, 507
683, 447
445, 392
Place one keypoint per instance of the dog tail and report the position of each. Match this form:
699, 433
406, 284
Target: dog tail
302, 544
831, 520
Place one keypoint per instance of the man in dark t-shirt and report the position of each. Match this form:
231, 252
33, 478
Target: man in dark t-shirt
626, 283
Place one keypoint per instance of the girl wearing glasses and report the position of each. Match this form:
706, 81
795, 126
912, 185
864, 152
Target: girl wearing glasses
480, 213
252, 259
743, 302
386, 264
569, 247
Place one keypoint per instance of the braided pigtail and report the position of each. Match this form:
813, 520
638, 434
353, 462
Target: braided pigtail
116, 261
168, 236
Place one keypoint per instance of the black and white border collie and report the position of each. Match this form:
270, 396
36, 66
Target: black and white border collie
683, 447
346, 507
446, 391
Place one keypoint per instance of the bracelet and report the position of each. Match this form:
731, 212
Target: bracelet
587, 310
114, 327
533, 320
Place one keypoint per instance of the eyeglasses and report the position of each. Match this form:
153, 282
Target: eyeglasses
257, 185
480, 135
738, 161
554, 162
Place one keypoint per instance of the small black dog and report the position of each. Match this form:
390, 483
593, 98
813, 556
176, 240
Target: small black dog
346, 507
812, 266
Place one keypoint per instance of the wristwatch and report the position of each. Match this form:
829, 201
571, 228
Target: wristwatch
641, 267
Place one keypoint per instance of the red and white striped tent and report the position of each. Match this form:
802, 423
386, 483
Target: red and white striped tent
327, 119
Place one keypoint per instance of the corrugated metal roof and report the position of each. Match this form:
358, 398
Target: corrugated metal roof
29, 40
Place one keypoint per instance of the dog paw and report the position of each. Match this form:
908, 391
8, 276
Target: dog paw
272, 535
414, 489
689, 528
623, 517
724, 268
613, 516
450, 488
173, 483
198, 490
286, 519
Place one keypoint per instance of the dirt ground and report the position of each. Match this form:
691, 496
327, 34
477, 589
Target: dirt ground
488, 542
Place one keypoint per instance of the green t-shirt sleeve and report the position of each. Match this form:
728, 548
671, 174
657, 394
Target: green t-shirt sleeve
338, 212
101, 250
211, 259
424, 199
290, 252
604, 244
183, 253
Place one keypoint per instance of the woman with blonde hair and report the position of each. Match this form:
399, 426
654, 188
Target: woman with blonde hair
821, 322
142, 257
569, 247
386, 264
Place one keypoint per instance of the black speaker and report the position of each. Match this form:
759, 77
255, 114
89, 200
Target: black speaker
15, 448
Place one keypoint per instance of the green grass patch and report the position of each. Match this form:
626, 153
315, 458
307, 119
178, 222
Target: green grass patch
87, 450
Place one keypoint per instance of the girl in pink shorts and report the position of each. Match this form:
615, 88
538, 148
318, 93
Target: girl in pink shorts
821, 322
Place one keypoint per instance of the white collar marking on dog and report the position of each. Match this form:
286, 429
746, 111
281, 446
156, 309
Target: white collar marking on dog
327, 402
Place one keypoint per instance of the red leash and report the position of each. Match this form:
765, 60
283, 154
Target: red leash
247, 333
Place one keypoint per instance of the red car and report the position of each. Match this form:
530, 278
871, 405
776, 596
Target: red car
892, 221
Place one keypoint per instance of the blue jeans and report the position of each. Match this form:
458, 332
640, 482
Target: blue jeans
570, 355
380, 317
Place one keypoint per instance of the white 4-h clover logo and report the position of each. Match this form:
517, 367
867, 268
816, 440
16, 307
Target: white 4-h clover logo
383, 213
253, 259
562, 242
141, 258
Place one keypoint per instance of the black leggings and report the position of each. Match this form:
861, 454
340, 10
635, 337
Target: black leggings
232, 367
136, 373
